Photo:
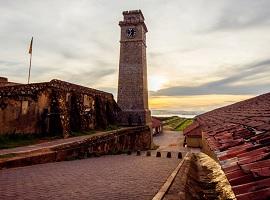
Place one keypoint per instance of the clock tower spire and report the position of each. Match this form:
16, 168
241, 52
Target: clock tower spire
132, 84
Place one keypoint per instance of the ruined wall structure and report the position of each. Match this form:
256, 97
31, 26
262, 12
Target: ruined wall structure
53, 108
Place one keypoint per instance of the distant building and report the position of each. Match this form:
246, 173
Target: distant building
54, 108
193, 135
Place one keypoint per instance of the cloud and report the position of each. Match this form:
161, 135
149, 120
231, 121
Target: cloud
9, 63
242, 14
110, 90
89, 77
231, 85
78, 41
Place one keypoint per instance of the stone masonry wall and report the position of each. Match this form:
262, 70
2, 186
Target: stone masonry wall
132, 83
114, 142
54, 108
137, 138
21, 108
4, 82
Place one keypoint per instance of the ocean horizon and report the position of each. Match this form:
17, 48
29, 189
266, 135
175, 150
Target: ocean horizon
170, 113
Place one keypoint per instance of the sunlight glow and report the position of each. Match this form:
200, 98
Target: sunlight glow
156, 82
194, 103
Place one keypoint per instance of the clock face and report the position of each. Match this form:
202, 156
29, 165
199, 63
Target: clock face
131, 32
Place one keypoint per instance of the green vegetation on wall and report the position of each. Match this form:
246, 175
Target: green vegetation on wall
12, 140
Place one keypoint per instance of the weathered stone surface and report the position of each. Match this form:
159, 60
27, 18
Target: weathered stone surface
110, 177
205, 178
4, 82
54, 108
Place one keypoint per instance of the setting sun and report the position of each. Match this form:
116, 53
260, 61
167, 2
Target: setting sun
157, 82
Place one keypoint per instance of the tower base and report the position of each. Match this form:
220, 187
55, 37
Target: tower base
134, 118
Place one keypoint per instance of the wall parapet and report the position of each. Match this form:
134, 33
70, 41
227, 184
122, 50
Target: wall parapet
113, 142
24, 89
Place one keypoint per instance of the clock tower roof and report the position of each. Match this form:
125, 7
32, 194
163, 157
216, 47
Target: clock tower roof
133, 17
133, 12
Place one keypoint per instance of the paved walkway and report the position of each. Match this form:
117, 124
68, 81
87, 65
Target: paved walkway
106, 177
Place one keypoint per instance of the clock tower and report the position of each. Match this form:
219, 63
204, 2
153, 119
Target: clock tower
132, 95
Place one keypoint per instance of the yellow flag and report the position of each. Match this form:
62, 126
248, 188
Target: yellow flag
30, 48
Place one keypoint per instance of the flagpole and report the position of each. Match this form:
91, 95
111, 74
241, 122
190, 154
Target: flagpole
29, 68
30, 64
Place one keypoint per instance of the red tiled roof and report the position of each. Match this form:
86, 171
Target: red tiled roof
239, 135
260, 172
193, 130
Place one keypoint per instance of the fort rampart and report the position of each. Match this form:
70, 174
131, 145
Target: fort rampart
54, 108
113, 142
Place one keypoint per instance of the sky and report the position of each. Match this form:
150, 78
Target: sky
201, 54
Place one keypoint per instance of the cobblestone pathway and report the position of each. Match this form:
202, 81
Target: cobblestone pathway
107, 177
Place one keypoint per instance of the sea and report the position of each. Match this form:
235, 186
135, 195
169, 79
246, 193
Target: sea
171, 115
168, 113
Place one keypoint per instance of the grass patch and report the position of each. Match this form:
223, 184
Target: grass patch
185, 123
12, 140
18, 140
76, 134
170, 120
173, 122
112, 127
81, 133
177, 123
10, 155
